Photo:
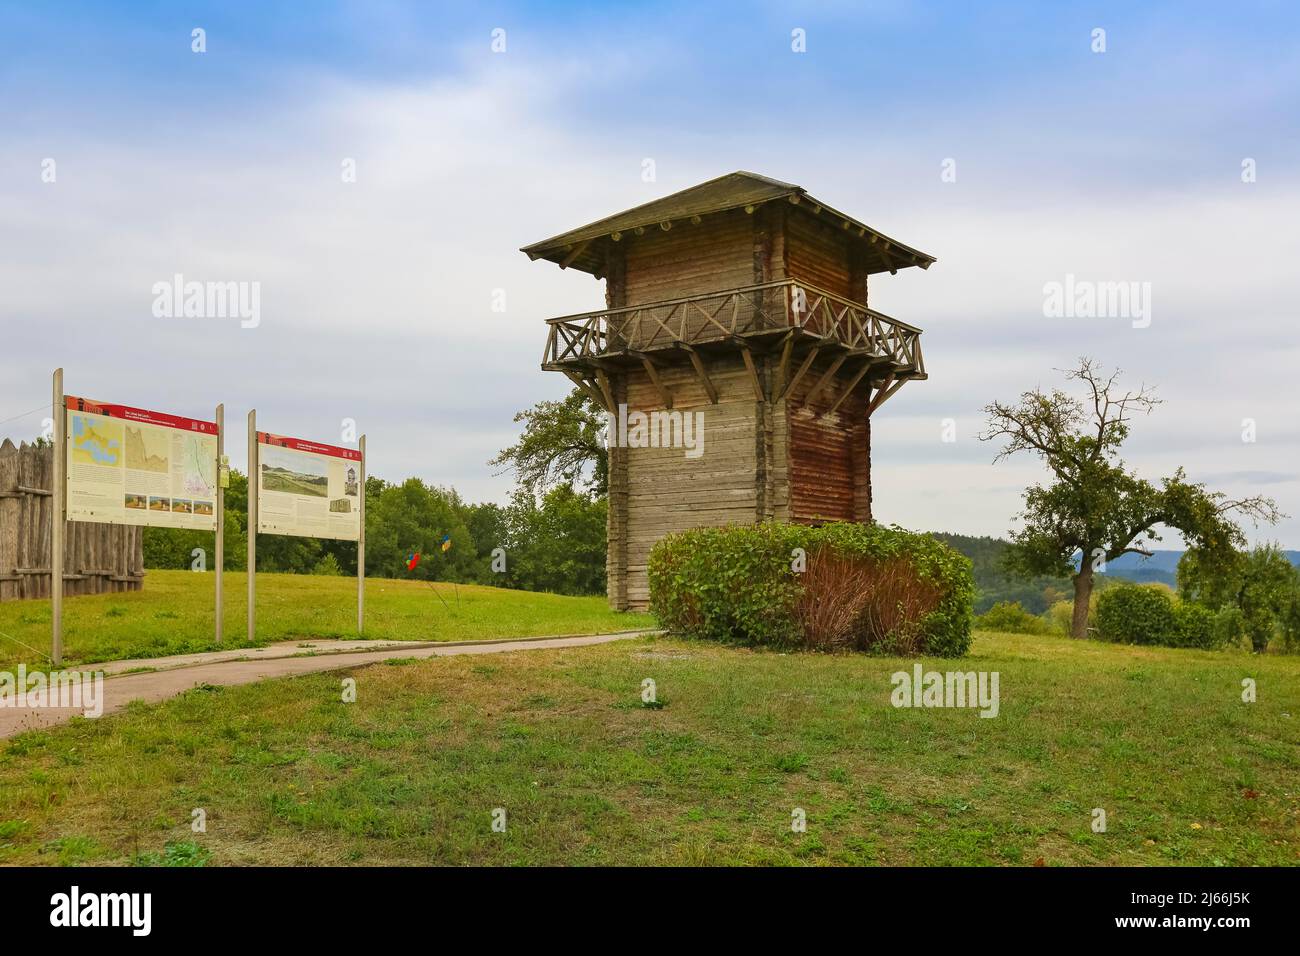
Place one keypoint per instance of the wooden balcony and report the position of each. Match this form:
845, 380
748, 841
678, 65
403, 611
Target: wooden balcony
760, 317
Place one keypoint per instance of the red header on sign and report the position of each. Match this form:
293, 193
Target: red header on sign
76, 404
299, 444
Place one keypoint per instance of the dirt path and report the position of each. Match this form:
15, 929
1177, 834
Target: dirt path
174, 675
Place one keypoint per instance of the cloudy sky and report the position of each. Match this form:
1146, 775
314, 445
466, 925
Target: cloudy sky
376, 294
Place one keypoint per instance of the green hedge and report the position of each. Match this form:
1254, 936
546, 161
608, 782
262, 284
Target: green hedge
1144, 614
858, 587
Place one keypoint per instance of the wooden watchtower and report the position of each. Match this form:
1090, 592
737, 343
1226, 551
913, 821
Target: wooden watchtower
744, 298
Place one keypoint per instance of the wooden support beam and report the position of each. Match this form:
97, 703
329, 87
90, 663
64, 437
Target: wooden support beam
581, 382
653, 373
610, 405
753, 372
882, 247
783, 368
576, 251
888, 258
700, 371
853, 383
887, 388
807, 364
822, 382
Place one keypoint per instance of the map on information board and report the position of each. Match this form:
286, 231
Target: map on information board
132, 466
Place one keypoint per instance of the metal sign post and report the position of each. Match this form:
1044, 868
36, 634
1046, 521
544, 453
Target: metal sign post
59, 494
361, 540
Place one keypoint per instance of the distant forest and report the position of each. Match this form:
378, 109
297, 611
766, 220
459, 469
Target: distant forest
993, 584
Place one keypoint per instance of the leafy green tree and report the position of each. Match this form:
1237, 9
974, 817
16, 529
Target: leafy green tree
411, 517
558, 543
1094, 507
489, 530
1291, 620
1212, 580
561, 443
1263, 586
1267, 589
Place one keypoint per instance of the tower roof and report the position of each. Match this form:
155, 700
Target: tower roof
583, 248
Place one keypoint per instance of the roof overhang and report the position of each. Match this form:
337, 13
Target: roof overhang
584, 248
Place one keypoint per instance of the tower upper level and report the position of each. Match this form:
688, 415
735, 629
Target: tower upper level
740, 257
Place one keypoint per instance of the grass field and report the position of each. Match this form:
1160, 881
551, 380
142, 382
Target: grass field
411, 772
174, 615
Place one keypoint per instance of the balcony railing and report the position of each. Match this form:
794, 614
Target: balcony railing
757, 311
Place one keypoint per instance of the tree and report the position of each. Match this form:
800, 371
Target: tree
561, 444
558, 543
1268, 583
1261, 586
414, 517
1094, 507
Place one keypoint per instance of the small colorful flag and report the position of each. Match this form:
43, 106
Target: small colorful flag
446, 542
412, 560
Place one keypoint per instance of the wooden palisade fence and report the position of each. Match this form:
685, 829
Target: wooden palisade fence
98, 558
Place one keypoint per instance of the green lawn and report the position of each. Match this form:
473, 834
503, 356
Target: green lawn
410, 774
173, 614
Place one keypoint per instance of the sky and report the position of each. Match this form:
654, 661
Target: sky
374, 168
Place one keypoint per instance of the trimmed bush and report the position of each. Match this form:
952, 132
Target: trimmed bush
839, 586
1136, 614
1197, 625
1010, 618
1150, 614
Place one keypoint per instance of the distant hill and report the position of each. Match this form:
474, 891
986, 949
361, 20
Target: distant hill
994, 585
1162, 566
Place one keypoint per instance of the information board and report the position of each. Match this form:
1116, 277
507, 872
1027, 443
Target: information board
308, 489
132, 466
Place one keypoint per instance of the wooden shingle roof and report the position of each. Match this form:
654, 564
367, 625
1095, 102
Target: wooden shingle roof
583, 248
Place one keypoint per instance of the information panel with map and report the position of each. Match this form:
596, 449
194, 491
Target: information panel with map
308, 489
132, 466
